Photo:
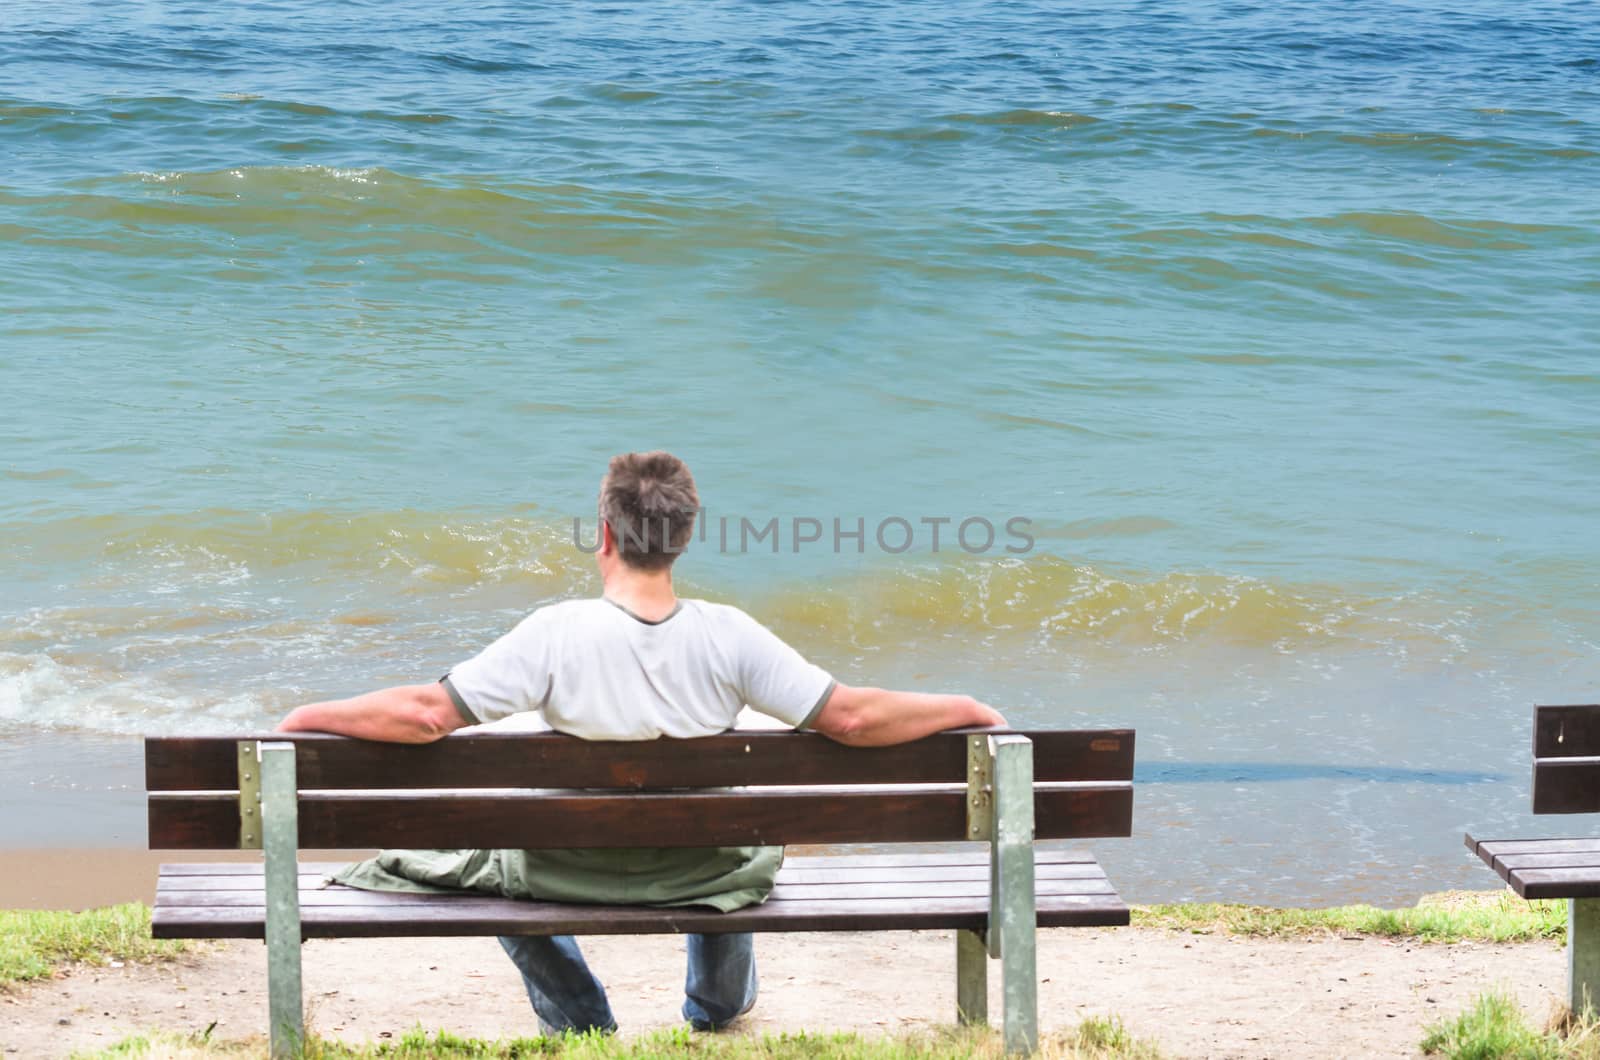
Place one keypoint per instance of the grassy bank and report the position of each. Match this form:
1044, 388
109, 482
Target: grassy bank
34, 943
1096, 1039
1494, 1028
1488, 916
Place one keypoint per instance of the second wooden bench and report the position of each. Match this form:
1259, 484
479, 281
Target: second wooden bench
1566, 779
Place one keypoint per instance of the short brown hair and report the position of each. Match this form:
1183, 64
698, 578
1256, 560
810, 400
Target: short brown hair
650, 503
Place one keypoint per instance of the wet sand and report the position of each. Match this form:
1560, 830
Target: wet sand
70, 790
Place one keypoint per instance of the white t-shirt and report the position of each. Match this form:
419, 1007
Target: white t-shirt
594, 669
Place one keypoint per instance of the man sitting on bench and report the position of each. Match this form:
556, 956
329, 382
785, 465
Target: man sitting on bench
636, 664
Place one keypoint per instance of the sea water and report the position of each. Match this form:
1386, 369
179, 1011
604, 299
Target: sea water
1274, 325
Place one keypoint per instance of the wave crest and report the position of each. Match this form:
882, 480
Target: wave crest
1057, 603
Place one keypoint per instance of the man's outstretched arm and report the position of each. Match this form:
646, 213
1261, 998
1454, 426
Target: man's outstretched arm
876, 717
403, 714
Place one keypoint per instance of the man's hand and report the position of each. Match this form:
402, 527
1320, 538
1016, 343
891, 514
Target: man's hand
404, 714
877, 717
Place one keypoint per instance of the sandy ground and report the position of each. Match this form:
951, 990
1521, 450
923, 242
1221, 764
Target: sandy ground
1196, 995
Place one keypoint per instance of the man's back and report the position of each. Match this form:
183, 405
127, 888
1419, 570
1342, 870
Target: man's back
597, 670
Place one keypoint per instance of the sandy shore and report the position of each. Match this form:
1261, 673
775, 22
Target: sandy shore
1197, 995
85, 878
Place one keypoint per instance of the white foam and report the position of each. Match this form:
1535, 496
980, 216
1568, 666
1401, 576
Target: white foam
40, 691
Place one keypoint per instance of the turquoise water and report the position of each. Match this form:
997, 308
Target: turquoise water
1276, 324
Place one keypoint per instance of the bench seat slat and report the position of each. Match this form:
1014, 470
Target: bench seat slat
1545, 868
498, 916
244, 868
186, 911
311, 898
233, 881
929, 875
1490, 848
789, 877
1556, 883
967, 854
1518, 863
845, 879
792, 892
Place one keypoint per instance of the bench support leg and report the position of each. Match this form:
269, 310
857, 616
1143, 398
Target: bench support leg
1013, 921
1583, 954
972, 978
280, 843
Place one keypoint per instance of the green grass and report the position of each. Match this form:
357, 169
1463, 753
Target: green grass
1489, 916
1494, 1028
1095, 1039
34, 943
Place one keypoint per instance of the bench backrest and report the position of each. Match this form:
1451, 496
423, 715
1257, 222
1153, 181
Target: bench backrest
1566, 759
541, 790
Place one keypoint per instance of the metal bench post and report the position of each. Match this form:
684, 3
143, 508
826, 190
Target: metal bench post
1013, 922
972, 978
281, 842
972, 949
1583, 954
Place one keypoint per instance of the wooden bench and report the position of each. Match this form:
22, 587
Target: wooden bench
1566, 779
281, 792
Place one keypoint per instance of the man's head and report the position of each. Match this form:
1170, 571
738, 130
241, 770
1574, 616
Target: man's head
648, 502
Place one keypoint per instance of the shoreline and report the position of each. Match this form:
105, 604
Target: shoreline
78, 878
71, 790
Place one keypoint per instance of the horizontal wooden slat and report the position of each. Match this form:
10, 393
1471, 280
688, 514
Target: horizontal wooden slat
959, 854
807, 877
1566, 785
182, 912
930, 874
227, 882
543, 820
1556, 883
964, 855
1549, 861
1566, 731
1490, 848
918, 890
1546, 868
506, 917
550, 760
1083, 811
243, 868
314, 897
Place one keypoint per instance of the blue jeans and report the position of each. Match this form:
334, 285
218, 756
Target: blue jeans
720, 985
